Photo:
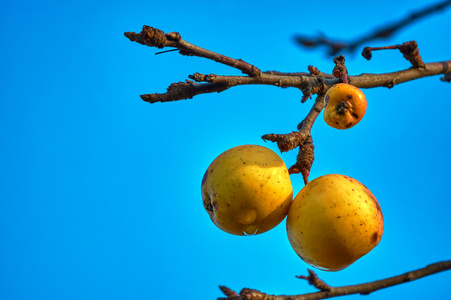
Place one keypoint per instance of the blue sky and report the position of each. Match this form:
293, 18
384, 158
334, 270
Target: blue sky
100, 191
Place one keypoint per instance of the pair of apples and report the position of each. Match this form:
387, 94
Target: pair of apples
333, 221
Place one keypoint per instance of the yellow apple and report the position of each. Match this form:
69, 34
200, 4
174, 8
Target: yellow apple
333, 221
345, 106
247, 190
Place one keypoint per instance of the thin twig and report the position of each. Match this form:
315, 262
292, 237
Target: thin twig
408, 49
154, 37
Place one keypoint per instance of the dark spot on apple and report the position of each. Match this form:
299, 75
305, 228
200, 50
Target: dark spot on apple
349, 97
327, 99
374, 238
215, 205
349, 125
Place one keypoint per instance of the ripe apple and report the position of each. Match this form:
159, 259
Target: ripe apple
333, 221
345, 106
247, 190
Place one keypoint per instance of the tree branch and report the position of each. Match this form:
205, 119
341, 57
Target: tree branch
308, 84
311, 83
327, 291
384, 32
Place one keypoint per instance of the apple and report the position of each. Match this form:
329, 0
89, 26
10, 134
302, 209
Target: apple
345, 106
247, 190
333, 221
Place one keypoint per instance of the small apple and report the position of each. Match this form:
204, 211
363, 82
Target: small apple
247, 190
333, 221
345, 106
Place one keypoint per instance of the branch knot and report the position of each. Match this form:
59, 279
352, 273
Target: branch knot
314, 280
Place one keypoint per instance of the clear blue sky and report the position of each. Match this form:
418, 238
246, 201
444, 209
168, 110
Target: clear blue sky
100, 191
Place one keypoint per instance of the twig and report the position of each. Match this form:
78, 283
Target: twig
327, 291
314, 280
336, 47
228, 292
184, 90
287, 142
154, 37
408, 49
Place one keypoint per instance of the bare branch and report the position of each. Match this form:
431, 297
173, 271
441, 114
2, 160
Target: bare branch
336, 47
308, 84
327, 291
153, 37
391, 79
311, 83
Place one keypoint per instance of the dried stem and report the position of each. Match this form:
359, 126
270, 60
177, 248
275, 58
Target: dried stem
408, 49
327, 291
